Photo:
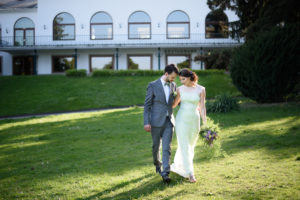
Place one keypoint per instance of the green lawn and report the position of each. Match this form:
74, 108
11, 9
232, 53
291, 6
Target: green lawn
54, 93
107, 155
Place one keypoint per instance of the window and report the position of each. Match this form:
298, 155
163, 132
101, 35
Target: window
216, 25
139, 26
101, 62
101, 27
178, 25
182, 61
139, 62
23, 65
64, 27
24, 32
62, 63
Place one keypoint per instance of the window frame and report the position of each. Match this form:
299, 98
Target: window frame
140, 55
101, 55
59, 56
186, 55
142, 23
112, 27
179, 22
24, 33
74, 25
226, 35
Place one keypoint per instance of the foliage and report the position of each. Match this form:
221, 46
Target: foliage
209, 132
129, 72
108, 66
258, 16
132, 65
217, 59
184, 64
222, 103
76, 73
266, 69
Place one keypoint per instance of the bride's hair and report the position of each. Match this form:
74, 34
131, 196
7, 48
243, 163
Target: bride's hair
188, 73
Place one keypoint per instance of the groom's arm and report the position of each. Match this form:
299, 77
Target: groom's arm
148, 107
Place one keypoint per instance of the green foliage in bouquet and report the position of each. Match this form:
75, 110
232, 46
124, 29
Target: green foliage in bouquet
209, 132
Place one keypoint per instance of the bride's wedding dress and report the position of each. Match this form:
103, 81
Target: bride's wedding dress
187, 130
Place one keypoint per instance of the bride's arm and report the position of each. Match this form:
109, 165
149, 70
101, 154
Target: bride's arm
176, 100
202, 106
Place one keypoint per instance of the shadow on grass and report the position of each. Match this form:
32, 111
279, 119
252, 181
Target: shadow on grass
83, 145
145, 189
256, 114
282, 145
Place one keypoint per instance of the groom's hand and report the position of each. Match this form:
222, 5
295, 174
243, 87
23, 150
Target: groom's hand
147, 127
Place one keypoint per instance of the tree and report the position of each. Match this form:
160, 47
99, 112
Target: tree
217, 59
108, 66
184, 64
266, 69
257, 16
132, 65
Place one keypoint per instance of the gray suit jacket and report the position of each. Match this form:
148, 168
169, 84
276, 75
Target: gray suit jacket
156, 108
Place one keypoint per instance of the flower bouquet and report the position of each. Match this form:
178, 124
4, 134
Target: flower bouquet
209, 133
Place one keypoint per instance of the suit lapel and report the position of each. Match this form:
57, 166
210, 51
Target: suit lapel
171, 91
161, 89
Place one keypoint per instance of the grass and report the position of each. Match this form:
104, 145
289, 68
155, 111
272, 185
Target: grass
45, 94
107, 155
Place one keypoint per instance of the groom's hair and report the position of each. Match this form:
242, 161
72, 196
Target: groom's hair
171, 68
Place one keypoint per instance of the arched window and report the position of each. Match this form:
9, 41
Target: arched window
24, 32
64, 27
139, 26
216, 25
178, 25
101, 27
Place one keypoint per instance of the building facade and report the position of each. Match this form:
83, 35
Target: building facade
49, 37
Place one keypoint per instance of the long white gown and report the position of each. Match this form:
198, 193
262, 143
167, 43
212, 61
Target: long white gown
187, 130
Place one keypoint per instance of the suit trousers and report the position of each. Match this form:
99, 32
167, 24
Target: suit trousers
162, 135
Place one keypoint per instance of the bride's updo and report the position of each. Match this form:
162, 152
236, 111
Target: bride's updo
189, 74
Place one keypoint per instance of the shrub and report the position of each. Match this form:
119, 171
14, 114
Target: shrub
99, 73
222, 103
130, 72
265, 69
76, 73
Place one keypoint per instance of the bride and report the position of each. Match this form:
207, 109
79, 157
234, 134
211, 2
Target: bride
192, 98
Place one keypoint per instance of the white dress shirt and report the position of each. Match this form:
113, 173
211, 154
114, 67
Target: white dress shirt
166, 89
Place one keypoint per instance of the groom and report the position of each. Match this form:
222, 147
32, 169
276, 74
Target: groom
159, 119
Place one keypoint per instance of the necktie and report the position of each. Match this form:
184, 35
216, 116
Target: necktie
167, 83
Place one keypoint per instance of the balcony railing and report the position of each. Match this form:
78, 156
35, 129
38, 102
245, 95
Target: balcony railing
118, 41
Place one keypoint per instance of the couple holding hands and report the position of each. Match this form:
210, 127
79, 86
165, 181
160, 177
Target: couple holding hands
162, 96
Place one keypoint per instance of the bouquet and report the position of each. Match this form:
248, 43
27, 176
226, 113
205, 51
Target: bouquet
209, 133
210, 137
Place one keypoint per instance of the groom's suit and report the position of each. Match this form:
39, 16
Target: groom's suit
159, 114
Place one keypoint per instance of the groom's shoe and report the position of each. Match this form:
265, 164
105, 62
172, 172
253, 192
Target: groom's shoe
158, 169
166, 179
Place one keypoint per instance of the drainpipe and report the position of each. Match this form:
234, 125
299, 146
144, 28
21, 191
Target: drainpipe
201, 53
117, 59
35, 62
159, 58
75, 57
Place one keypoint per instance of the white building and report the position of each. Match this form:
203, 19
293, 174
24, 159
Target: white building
50, 36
